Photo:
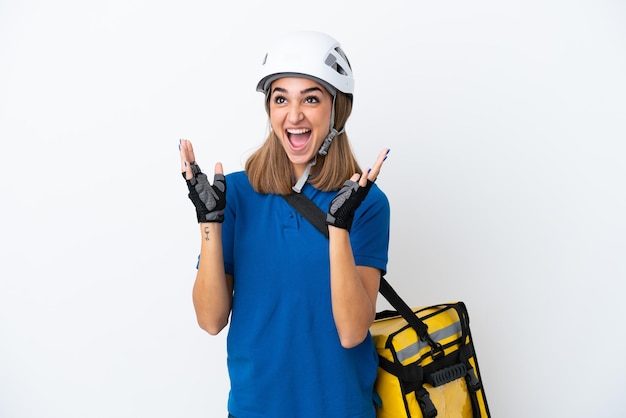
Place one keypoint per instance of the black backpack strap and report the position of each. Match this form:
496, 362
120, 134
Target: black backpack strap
403, 309
411, 374
407, 313
309, 210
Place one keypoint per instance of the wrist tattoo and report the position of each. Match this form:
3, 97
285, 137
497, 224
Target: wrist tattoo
206, 231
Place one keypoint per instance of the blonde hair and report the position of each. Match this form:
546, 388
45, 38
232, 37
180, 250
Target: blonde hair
269, 168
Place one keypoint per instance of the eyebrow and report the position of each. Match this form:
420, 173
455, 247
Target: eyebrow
305, 91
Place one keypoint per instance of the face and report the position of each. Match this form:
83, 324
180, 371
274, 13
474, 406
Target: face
300, 111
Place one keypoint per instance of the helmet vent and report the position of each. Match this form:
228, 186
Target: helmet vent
331, 61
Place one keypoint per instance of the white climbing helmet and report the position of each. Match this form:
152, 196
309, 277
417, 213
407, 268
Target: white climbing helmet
311, 54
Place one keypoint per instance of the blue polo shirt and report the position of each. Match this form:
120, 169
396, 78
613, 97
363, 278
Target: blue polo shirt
284, 354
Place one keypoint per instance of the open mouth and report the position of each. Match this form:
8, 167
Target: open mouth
298, 138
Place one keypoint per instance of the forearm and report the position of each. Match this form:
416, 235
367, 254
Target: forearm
213, 290
353, 296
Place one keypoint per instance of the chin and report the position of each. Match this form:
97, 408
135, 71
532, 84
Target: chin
300, 159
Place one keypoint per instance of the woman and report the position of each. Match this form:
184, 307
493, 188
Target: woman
300, 305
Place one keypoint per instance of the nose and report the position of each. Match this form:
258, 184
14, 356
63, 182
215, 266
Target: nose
295, 113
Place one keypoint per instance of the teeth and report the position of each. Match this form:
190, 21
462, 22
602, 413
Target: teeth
298, 131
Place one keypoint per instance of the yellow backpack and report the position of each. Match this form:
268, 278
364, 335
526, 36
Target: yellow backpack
427, 363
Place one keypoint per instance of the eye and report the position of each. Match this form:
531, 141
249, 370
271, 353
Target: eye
312, 99
279, 99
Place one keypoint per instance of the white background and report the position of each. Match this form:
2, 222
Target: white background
506, 123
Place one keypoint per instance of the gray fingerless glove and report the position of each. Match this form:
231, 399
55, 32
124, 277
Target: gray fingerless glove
209, 200
341, 211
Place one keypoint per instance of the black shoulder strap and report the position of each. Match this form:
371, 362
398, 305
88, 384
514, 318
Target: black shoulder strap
309, 210
403, 309
317, 217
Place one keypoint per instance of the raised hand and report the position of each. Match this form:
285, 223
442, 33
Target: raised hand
209, 200
342, 207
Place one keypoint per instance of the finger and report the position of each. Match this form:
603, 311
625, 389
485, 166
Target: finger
364, 177
184, 163
186, 156
183, 155
355, 177
190, 154
375, 171
187, 147
219, 169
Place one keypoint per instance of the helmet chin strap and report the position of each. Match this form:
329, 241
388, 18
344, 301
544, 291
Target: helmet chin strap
305, 176
322, 151
328, 140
